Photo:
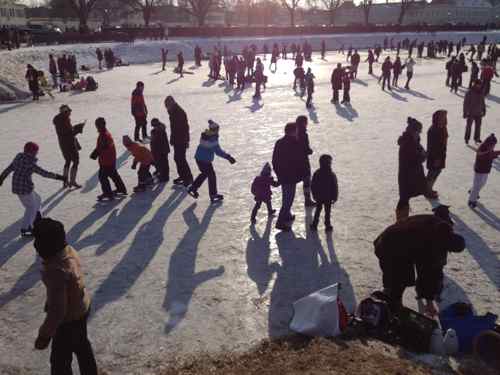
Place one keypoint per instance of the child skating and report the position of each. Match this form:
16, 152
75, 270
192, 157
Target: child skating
325, 191
261, 190
144, 158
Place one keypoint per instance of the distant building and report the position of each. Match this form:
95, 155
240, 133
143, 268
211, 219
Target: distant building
11, 13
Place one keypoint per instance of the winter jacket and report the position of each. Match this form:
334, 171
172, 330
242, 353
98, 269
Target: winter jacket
261, 187
303, 139
484, 160
310, 83
67, 298
140, 153
209, 147
474, 105
23, 166
288, 161
397, 67
324, 186
138, 105
411, 176
355, 59
66, 135
412, 243
336, 79
437, 140
105, 149
52, 67
409, 65
179, 127
386, 68
347, 83
487, 73
159, 142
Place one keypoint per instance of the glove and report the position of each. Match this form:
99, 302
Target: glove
231, 159
60, 177
42, 343
94, 155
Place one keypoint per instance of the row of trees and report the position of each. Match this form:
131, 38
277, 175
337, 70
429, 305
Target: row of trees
263, 10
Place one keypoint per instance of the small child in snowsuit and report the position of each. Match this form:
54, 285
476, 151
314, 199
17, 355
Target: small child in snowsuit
261, 190
144, 157
325, 191
482, 168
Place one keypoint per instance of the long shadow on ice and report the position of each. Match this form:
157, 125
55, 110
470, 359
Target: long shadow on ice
413, 93
146, 243
395, 95
92, 182
480, 251
487, 216
347, 112
305, 268
182, 276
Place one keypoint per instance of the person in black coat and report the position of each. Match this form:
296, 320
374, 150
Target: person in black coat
411, 176
306, 150
474, 73
32, 78
325, 191
414, 252
288, 163
371, 60
449, 70
179, 139
386, 73
336, 82
437, 141
160, 149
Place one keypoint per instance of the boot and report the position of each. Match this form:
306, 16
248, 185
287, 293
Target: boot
65, 174
72, 178
402, 213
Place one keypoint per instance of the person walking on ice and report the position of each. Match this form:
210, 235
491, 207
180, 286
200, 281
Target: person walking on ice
23, 166
207, 149
325, 191
261, 190
484, 160
144, 158
474, 110
139, 111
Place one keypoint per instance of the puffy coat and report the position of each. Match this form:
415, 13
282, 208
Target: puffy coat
324, 186
209, 147
288, 161
159, 142
437, 142
411, 176
474, 105
66, 135
138, 105
261, 187
140, 153
179, 127
336, 79
105, 149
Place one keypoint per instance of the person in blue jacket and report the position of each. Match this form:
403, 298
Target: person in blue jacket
208, 147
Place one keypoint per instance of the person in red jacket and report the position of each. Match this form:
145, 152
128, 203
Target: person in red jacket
144, 158
105, 152
487, 74
139, 111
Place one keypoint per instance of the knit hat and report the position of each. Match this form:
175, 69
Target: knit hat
100, 123
31, 148
64, 108
126, 140
50, 237
155, 122
325, 160
212, 125
266, 170
413, 125
490, 140
437, 115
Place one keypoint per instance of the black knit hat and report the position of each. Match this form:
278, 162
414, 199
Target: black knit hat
50, 237
413, 125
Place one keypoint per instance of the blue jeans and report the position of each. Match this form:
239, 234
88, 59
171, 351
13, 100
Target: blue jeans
287, 197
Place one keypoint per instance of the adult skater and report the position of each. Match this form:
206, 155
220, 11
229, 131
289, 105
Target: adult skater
484, 160
325, 191
414, 253
100, 57
336, 82
105, 152
23, 166
305, 148
371, 60
474, 73
160, 149
197, 55
164, 53
456, 71
411, 176
397, 68
69, 145
474, 110
289, 167
32, 78
259, 78
487, 73
180, 64
355, 60
409, 65
437, 143
53, 71
449, 70
179, 139
386, 73
323, 49
67, 304
346, 83
309, 79
205, 153
139, 111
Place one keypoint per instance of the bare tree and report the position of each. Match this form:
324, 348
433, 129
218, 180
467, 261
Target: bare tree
200, 8
291, 6
366, 5
146, 7
82, 8
332, 6
405, 5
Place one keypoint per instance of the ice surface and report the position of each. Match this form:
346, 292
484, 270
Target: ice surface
169, 275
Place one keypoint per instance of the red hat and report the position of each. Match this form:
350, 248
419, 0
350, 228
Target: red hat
31, 148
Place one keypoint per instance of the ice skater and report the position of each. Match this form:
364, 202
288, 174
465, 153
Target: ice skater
474, 110
144, 158
386, 73
306, 151
105, 152
164, 53
409, 65
23, 166
207, 149
346, 83
139, 112
325, 191
336, 81
309, 80
261, 190
437, 144
482, 167
180, 64
160, 150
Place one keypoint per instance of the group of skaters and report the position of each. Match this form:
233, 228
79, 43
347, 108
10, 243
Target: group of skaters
108, 57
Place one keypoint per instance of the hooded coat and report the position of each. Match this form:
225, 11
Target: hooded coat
411, 176
324, 186
437, 143
159, 142
288, 161
66, 135
179, 127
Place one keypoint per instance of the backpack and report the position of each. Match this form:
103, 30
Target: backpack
374, 313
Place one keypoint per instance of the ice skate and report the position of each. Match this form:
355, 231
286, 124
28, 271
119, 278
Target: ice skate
193, 193
105, 197
177, 181
28, 232
472, 204
139, 189
216, 198
120, 192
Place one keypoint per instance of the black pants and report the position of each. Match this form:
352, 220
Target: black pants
346, 98
432, 176
162, 167
257, 207
386, 78
370, 68
486, 87
403, 202
106, 173
395, 80
454, 83
409, 75
336, 95
309, 99
448, 78
206, 171
140, 125
317, 213
144, 175
477, 128
72, 338
182, 165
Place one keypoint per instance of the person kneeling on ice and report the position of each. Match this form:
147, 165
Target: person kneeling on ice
160, 149
484, 160
23, 166
68, 302
261, 190
208, 147
105, 152
144, 157
414, 252
325, 191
